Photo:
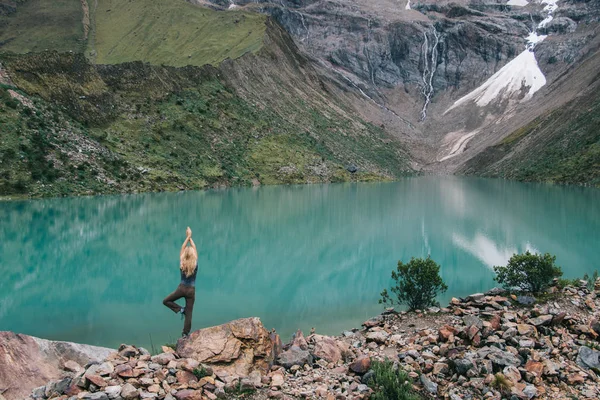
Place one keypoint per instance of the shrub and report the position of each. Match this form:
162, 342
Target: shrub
501, 383
200, 372
528, 272
416, 284
591, 281
390, 382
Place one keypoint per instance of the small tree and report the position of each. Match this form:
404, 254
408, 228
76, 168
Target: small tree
417, 284
528, 272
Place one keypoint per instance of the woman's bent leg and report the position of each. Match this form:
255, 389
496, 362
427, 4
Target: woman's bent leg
169, 301
189, 309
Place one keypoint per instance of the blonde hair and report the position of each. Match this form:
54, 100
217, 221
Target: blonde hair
188, 261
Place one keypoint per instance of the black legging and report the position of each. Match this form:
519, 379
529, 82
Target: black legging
189, 292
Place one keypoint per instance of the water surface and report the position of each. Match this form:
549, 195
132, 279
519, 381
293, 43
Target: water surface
95, 270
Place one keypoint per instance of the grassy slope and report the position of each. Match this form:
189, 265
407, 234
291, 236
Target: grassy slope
43, 24
140, 127
172, 32
562, 146
149, 128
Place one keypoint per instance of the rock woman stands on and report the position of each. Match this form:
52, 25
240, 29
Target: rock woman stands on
188, 266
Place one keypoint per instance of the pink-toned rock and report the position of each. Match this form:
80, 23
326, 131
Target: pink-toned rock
163, 358
124, 371
447, 333
96, 380
534, 367
188, 394
185, 377
277, 345
277, 379
299, 340
32, 362
361, 365
129, 392
72, 366
237, 348
326, 348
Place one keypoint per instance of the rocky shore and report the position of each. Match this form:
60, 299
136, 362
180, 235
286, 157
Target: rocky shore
486, 346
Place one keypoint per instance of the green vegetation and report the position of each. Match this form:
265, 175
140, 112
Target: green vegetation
562, 283
561, 146
38, 25
417, 284
153, 128
201, 372
501, 383
591, 281
161, 32
528, 272
171, 32
391, 382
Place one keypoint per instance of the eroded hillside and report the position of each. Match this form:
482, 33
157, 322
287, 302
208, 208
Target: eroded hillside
72, 126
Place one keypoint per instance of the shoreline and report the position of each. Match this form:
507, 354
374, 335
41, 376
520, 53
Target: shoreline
416, 174
450, 352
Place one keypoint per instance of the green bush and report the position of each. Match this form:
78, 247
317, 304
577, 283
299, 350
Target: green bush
528, 272
417, 284
200, 372
389, 382
591, 281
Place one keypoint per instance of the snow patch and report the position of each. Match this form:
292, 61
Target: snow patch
522, 71
519, 3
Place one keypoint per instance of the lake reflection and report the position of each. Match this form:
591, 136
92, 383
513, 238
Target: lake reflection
95, 270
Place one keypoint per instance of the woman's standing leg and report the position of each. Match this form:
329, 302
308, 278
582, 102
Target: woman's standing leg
169, 301
190, 298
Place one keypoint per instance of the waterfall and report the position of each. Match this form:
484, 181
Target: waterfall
430, 59
232, 5
304, 25
366, 51
408, 6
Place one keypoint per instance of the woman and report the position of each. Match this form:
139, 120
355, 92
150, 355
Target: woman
188, 266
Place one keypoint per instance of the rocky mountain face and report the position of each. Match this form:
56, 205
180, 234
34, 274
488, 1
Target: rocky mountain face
415, 59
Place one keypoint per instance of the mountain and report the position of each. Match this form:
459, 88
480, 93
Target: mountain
110, 96
454, 78
91, 120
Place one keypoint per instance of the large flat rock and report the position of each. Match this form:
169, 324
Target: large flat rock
27, 362
237, 348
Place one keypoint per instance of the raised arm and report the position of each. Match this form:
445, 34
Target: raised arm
193, 245
184, 245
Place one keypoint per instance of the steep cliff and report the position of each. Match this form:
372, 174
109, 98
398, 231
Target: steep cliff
455, 77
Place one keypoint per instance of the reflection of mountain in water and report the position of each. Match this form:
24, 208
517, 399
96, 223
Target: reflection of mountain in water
96, 269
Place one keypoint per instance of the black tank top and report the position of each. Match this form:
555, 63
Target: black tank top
189, 280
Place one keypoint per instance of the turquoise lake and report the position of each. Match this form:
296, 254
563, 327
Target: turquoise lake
95, 270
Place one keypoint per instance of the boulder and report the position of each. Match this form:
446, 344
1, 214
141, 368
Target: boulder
379, 337
541, 320
462, 366
361, 365
33, 362
300, 341
128, 392
429, 385
237, 347
500, 358
471, 320
588, 358
326, 348
295, 356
